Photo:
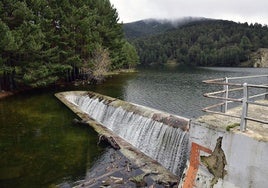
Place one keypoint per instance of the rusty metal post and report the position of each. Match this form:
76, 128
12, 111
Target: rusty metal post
243, 122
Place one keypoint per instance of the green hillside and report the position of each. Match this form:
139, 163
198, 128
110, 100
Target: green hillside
203, 43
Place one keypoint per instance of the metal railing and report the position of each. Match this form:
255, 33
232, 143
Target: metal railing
236, 84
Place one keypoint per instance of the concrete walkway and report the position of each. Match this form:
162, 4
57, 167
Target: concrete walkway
255, 130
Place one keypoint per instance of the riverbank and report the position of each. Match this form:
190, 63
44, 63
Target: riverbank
121, 71
4, 94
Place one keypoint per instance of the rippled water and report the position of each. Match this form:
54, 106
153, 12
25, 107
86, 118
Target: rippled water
39, 146
177, 90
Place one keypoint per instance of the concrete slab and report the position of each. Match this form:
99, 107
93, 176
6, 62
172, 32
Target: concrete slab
258, 131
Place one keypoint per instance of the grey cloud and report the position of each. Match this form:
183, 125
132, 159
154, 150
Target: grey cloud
237, 10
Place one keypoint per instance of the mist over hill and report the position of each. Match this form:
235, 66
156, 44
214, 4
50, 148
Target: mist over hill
152, 26
196, 41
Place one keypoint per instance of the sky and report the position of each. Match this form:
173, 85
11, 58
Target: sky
251, 11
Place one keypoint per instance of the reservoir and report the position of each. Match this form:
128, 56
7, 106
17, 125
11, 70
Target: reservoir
40, 147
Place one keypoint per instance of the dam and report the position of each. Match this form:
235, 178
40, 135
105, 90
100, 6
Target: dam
209, 151
161, 136
158, 135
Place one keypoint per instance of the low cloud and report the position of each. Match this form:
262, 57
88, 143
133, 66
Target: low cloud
238, 10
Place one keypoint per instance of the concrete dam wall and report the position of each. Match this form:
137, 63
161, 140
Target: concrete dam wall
161, 136
200, 154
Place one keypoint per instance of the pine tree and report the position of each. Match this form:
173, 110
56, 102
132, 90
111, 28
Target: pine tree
44, 41
130, 56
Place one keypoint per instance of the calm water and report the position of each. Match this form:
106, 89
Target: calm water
39, 146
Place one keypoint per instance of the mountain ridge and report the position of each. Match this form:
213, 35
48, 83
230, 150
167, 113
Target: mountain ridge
152, 26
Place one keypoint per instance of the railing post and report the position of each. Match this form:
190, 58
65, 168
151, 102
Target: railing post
266, 96
226, 88
243, 122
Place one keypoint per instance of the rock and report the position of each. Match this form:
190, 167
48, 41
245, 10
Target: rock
117, 180
139, 180
109, 140
260, 58
79, 122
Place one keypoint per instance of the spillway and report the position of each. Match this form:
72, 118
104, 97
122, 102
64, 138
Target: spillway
159, 135
166, 138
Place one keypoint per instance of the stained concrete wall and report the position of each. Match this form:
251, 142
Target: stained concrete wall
245, 156
220, 158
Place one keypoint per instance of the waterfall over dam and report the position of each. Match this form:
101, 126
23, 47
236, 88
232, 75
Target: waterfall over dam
159, 135
146, 135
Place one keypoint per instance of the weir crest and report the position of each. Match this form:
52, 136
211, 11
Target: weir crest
161, 136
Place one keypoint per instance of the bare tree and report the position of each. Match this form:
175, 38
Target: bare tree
101, 63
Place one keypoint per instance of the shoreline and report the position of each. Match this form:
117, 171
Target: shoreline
4, 94
120, 71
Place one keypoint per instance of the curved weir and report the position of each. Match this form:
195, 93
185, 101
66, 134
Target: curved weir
159, 135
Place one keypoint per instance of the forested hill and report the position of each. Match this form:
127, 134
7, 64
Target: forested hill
203, 43
43, 42
149, 27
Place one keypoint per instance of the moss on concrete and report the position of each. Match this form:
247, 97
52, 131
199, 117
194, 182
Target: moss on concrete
216, 162
229, 127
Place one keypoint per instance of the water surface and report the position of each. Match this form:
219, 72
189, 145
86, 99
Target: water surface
174, 89
40, 147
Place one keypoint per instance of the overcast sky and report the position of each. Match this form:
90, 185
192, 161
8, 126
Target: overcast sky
250, 11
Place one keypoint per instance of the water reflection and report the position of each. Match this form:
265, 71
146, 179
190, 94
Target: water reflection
39, 147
